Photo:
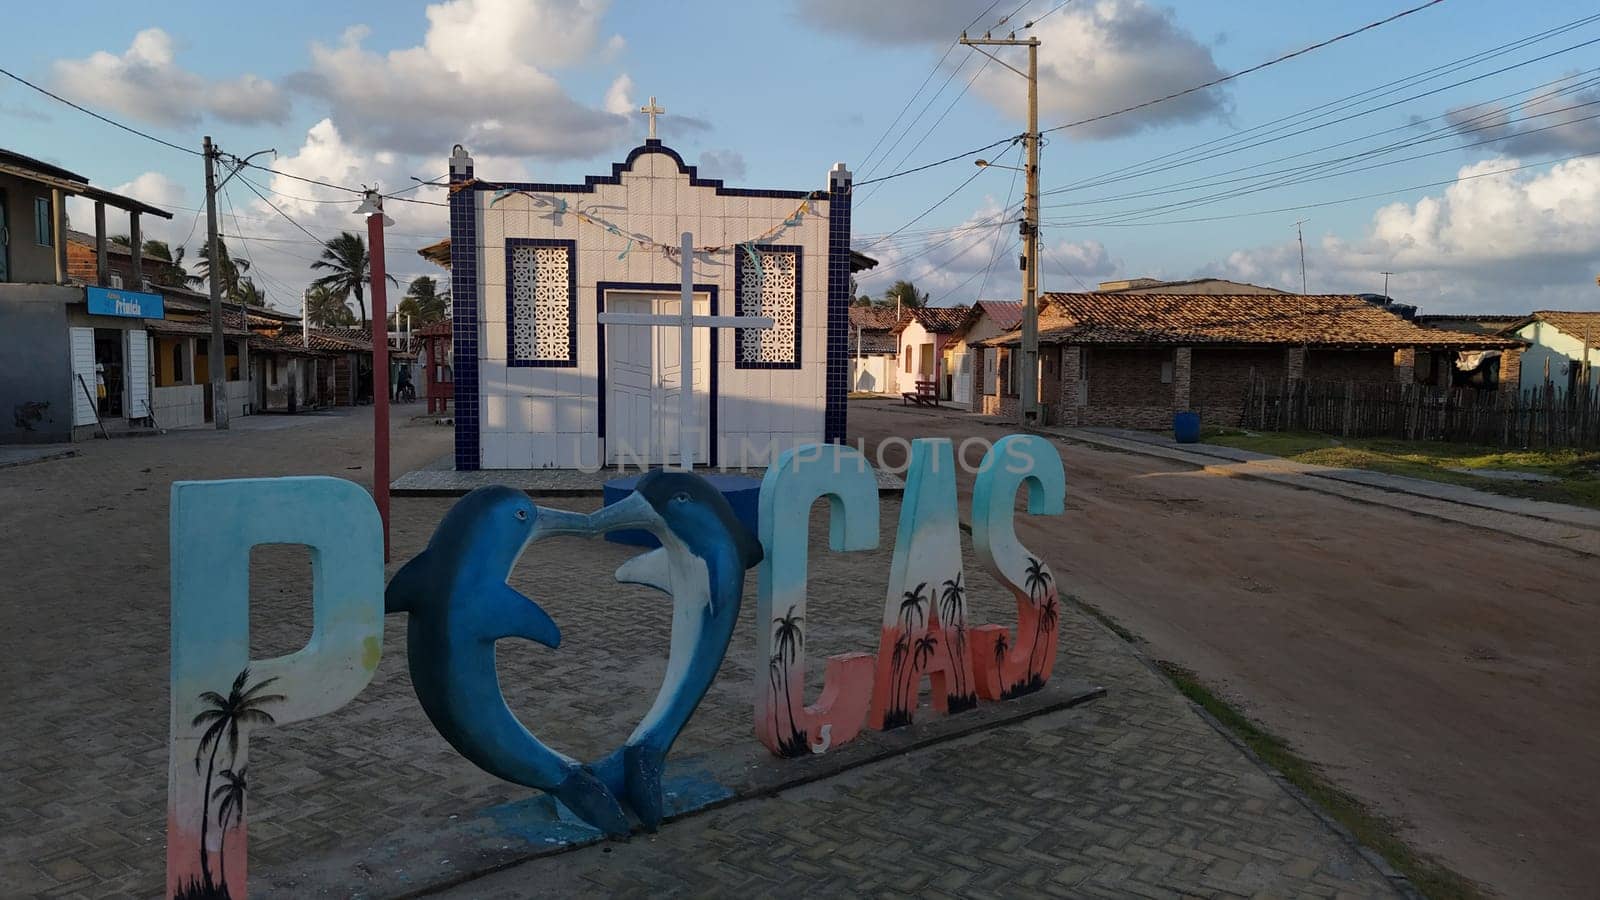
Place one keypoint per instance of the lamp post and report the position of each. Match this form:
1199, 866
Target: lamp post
372, 207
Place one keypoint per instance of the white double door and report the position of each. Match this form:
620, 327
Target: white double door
644, 382
961, 383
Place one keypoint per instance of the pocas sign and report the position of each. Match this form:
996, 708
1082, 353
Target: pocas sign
925, 632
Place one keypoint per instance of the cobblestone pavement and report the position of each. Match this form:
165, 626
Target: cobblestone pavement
1132, 794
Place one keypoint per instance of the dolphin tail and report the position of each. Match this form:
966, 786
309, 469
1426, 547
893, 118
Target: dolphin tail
641, 773
590, 800
407, 585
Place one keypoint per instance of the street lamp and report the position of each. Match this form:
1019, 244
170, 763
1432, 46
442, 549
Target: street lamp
985, 164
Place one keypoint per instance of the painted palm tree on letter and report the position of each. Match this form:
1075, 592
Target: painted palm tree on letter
952, 612
1037, 581
230, 810
789, 638
222, 719
912, 616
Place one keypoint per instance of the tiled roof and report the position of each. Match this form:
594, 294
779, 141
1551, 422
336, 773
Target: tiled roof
938, 319
1330, 320
873, 318
1487, 323
197, 327
1006, 313
439, 328
1581, 325
325, 340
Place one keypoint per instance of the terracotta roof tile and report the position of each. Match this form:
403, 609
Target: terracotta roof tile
873, 318
938, 319
1337, 320
1581, 325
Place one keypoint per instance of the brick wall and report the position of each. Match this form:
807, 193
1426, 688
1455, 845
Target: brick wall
1220, 380
1064, 411
1510, 372
1405, 365
1351, 365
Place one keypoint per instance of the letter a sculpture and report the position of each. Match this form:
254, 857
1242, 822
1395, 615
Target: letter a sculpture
459, 604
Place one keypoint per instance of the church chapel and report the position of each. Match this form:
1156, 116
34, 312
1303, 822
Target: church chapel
541, 381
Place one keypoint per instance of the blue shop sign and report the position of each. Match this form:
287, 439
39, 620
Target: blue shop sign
129, 304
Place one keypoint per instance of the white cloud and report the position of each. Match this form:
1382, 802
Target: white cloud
725, 164
473, 81
147, 83
1099, 57
1500, 243
619, 97
1094, 57
153, 188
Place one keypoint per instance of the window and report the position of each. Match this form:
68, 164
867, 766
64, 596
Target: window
541, 302
42, 222
1083, 364
177, 362
230, 351
1166, 372
114, 281
767, 283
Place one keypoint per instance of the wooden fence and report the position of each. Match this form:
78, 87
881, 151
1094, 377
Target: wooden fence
1544, 417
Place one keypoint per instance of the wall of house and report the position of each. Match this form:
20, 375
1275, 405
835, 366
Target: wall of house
1349, 365
183, 406
36, 375
1219, 380
875, 374
551, 416
1125, 388
1549, 345
28, 260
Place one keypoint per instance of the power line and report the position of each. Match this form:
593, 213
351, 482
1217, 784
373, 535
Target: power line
280, 211
941, 201
1242, 72
936, 122
994, 252
948, 159
89, 112
918, 92
1373, 196
1046, 15
934, 98
1063, 267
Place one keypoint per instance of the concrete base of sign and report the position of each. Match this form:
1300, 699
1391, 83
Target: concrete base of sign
470, 843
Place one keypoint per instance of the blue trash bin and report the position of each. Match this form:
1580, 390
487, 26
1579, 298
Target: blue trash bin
1186, 427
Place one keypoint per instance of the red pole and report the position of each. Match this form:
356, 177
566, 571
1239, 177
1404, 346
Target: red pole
380, 370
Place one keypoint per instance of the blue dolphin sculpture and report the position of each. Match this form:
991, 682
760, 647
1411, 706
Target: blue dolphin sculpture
459, 604
704, 553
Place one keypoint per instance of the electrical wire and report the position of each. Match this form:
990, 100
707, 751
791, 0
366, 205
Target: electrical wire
948, 159
89, 112
1242, 72
931, 128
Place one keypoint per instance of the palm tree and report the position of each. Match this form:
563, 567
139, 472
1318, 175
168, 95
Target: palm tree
324, 308
231, 792
774, 672
230, 272
896, 716
952, 613
223, 716
1046, 624
169, 269
349, 268
926, 645
1001, 645
904, 294
423, 302
790, 638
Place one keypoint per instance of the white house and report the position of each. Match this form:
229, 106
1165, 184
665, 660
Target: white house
922, 336
540, 382
1563, 349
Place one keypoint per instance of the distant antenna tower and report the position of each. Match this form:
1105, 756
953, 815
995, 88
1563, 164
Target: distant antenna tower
1385, 282
1301, 235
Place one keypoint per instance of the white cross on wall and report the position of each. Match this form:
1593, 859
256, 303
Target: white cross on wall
686, 322
652, 111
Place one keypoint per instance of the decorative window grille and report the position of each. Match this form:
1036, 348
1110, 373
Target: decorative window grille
541, 303
767, 283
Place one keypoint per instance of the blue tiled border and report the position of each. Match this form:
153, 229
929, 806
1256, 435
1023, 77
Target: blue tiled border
838, 374
662, 287
799, 307
464, 318
571, 362
650, 146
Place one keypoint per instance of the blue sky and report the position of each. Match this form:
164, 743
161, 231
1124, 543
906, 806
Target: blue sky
772, 94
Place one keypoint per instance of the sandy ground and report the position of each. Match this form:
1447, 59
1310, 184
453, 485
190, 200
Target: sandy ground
1447, 676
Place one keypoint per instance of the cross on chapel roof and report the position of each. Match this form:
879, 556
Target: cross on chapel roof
652, 111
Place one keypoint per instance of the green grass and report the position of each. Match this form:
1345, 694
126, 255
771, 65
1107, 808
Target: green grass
1374, 831
1577, 471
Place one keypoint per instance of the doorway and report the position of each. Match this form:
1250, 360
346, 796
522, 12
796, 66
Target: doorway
110, 372
644, 377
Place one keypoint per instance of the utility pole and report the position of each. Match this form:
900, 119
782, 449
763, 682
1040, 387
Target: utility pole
372, 207
216, 355
1301, 236
1385, 282
1028, 376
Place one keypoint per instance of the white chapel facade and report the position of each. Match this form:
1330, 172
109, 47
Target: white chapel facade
541, 382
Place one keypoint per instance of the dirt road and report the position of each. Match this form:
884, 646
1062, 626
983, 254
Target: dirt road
1447, 676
